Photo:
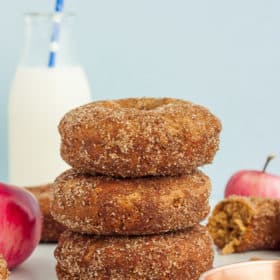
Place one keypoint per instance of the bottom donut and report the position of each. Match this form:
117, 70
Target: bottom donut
63, 275
181, 255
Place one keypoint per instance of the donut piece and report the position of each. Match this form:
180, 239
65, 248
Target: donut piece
4, 273
51, 229
240, 224
181, 255
139, 137
106, 205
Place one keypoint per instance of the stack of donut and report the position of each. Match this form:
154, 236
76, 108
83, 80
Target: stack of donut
134, 197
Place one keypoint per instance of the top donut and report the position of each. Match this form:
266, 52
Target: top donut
139, 137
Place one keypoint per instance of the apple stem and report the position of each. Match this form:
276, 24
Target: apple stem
269, 158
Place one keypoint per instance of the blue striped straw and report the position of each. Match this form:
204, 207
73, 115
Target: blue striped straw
55, 32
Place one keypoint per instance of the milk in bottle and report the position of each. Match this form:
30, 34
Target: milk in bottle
39, 97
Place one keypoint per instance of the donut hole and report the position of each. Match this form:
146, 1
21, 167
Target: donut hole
229, 224
144, 104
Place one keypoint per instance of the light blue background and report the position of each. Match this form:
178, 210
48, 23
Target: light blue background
222, 54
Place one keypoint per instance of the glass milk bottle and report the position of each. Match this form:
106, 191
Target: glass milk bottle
39, 97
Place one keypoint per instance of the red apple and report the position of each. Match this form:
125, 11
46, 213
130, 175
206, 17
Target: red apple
20, 224
254, 183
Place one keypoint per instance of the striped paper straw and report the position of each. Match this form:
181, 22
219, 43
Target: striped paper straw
54, 45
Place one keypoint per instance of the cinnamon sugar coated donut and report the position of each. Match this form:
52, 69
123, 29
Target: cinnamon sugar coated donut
139, 137
182, 255
51, 229
4, 273
106, 205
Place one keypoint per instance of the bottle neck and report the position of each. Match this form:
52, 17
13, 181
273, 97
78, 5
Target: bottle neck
37, 40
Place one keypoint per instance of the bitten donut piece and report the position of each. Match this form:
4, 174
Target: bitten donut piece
139, 137
4, 273
106, 205
240, 224
51, 229
181, 255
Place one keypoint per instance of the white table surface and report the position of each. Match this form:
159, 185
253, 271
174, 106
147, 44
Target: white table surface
41, 265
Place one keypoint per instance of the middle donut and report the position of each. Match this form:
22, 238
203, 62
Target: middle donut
148, 205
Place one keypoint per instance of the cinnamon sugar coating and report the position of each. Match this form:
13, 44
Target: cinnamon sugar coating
139, 137
182, 255
62, 275
4, 273
51, 229
240, 224
106, 205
